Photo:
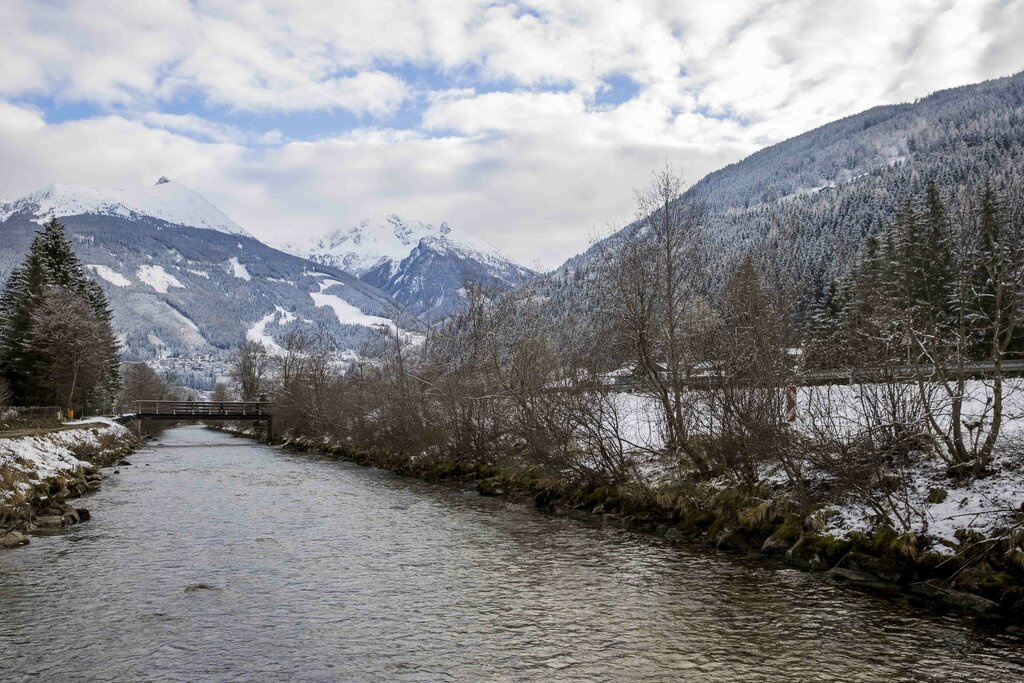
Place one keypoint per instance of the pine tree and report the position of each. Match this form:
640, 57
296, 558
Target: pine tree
51, 264
937, 259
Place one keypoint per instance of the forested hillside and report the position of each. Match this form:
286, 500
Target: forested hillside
805, 205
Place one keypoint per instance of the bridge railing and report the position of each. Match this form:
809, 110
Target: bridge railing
204, 408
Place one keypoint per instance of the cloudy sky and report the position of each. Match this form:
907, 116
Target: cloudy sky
525, 123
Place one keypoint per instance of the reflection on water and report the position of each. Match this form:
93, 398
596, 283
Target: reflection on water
225, 560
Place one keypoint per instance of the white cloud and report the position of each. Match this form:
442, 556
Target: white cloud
512, 144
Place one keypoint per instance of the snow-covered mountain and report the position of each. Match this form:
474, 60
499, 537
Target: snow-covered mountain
166, 201
185, 282
423, 266
805, 205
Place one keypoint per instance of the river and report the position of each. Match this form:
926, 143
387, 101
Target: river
214, 558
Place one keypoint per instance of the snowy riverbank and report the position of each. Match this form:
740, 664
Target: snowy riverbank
962, 547
41, 472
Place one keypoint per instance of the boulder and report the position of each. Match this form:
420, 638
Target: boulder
957, 598
840, 574
83, 514
775, 545
12, 539
730, 539
805, 554
891, 569
49, 522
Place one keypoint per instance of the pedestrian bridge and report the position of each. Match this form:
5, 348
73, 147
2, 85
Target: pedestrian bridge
203, 410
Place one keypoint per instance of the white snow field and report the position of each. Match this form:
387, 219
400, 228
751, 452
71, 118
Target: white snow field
110, 275
258, 331
239, 270
158, 278
346, 313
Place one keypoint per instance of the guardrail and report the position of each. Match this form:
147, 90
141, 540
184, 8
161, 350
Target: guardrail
204, 409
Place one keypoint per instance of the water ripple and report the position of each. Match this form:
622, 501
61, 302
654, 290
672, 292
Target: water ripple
223, 561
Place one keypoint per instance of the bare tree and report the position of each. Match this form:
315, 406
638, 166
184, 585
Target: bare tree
650, 300
250, 369
220, 393
141, 382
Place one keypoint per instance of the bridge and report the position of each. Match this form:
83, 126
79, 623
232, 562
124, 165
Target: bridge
203, 410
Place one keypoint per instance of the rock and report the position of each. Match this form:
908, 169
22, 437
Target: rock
83, 515
850, 575
675, 534
775, 545
94, 485
890, 570
192, 588
49, 521
730, 539
124, 463
957, 598
12, 539
805, 554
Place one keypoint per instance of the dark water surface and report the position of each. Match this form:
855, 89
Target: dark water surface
322, 571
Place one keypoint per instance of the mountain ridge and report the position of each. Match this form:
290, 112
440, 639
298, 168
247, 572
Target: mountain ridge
422, 266
166, 200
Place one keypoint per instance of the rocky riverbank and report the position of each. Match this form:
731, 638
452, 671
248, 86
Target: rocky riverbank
981, 575
41, 473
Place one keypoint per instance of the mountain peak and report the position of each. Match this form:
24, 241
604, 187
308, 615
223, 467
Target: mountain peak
167, 201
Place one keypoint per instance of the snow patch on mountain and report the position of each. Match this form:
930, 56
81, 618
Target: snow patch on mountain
167, 201
238, 269
346, 313
187, 329
158, 278
110, 275
258, 331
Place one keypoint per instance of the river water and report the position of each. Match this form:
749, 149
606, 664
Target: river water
214, 558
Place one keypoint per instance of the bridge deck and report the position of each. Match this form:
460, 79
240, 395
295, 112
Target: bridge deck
211, 410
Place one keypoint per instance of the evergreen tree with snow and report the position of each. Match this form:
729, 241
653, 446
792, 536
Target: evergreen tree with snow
37, 333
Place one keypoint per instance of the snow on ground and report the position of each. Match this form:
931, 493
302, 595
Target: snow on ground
238, 269
346, 313
848, 407
28, 461
158, 278
110, 275
982, 505
200, 273
190, 333
258, 331
168, 201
